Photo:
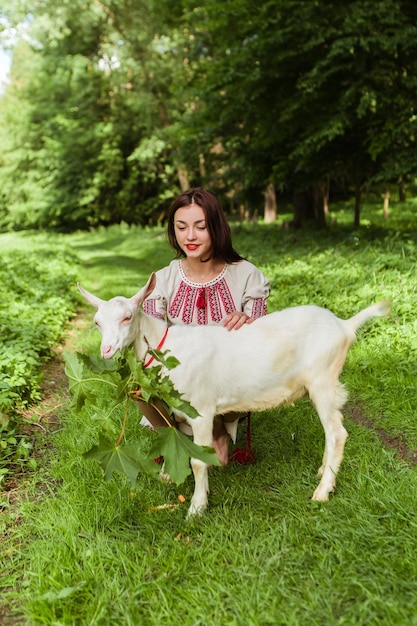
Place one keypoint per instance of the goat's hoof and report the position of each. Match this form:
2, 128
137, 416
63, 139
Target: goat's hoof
321, 495
196, 511
166, 477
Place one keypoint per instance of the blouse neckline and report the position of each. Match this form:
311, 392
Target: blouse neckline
213, 281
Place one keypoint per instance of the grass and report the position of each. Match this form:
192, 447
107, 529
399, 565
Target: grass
78, 551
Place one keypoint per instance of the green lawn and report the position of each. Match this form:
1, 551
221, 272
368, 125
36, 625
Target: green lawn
76, 550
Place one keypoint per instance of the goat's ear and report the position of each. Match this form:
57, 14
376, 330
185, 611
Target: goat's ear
91, 298
146, 291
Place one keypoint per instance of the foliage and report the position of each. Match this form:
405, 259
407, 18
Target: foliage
36, 303
122, 379
297, 105
96, 94
115, 107
15, 448
35, 308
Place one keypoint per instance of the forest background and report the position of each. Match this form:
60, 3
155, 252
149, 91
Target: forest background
113, 107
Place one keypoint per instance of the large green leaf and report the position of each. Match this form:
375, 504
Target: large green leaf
82, 383
97, 364
74, 369
124, 459
177, 449
154, 385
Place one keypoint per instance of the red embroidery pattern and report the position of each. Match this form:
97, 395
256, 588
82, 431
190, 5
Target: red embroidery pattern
259, 308
214, 304
218, 303
202, 316
225, 297
178, 301
184, 301
189, 304
149, 307
198, 304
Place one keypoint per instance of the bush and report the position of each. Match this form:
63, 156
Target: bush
36, 304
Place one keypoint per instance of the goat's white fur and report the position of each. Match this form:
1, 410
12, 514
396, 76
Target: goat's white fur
275, 360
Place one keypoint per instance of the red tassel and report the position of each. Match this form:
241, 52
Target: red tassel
201, 299
244, 455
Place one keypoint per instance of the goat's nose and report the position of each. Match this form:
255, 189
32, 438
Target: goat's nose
106, 351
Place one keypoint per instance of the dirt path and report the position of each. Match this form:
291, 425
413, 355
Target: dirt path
393, 442
54, 387
45, 415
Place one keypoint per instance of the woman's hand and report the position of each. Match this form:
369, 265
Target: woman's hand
236, 320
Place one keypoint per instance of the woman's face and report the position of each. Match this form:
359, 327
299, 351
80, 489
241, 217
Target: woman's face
191, 231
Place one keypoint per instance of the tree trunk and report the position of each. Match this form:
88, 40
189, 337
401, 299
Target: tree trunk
181, 172
386, 201
303, 208
202, 166
326, 191
320, 194
320, 215
244, 212
401, 190
270, 209
358, 198
183, 179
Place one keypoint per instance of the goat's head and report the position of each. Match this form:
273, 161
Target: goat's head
115, 318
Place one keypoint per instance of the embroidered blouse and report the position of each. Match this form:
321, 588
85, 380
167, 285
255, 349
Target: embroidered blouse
239, 287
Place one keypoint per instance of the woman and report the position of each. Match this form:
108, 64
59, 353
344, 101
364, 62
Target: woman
208, 283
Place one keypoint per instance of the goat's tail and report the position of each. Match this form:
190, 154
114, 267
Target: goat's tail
380, 309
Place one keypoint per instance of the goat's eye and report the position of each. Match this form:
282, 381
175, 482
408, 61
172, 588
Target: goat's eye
97, 323
127, 319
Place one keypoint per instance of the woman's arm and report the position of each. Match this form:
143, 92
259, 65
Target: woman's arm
254, 297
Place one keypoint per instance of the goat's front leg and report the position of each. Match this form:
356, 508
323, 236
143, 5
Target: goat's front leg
199, 501
203, 434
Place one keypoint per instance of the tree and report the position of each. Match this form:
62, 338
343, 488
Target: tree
122, 104
318, 99
97, 134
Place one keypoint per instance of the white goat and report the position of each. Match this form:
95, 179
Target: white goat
275, 360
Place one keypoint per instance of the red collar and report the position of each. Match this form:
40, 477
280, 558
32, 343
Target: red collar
160, 344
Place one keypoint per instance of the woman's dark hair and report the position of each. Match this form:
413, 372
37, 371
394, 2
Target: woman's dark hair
216, 223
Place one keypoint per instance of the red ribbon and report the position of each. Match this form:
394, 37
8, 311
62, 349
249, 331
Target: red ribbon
160, 344
244, 455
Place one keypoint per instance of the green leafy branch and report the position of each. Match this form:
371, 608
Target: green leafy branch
125, 380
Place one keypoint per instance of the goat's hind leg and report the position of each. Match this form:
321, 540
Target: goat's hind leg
328, 402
